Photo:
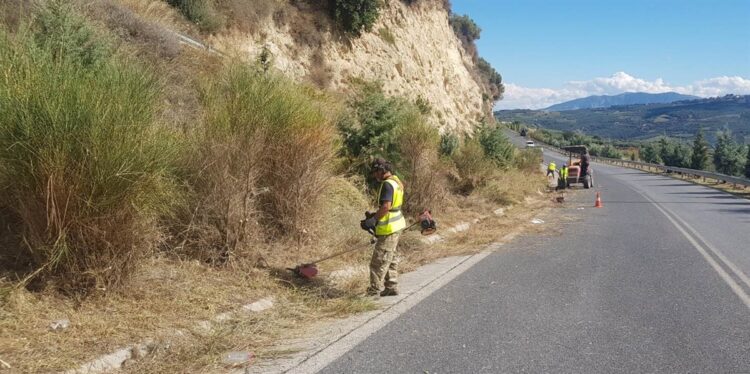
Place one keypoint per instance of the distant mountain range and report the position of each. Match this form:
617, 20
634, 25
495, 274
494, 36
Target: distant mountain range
677, 119
628, 98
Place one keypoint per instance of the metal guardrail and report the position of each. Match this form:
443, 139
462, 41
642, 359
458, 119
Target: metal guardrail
673, 169
660, 168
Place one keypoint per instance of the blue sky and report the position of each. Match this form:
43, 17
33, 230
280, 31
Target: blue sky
556, 50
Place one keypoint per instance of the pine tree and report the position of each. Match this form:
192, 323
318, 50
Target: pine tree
699, 159
747, 163
650, 154
727, 158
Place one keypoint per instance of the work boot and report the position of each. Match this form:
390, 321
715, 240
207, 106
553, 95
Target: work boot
389, 292
372, 292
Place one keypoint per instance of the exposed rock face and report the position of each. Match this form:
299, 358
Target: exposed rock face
412, 50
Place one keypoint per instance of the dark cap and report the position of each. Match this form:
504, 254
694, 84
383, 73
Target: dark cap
380, 164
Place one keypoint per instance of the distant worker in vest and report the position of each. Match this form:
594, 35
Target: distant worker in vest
562, 178
551, 168
387, 222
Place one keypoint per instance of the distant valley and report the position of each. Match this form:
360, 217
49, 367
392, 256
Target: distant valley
627, 98
679, 119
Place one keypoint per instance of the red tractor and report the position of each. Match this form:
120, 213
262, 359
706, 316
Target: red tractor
575, 172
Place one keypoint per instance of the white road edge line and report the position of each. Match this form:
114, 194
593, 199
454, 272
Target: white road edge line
722, 273
329, 354
713, 249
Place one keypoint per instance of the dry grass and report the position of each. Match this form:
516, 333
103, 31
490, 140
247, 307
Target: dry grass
512, 186
248, 15
156, 11
146, 35
165, 295
319, 72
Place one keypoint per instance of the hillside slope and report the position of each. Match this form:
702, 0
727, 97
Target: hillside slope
412, 50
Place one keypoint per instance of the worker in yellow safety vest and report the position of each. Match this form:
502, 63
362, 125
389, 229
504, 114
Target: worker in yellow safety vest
387, 222
551, 168
562, 178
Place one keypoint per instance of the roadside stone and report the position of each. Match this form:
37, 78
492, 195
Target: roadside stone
463, 226
258, 306
237, 358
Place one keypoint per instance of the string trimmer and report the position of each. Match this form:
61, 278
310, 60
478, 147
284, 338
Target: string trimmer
428, 226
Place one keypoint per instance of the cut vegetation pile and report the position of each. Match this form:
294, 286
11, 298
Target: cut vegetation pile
132, 218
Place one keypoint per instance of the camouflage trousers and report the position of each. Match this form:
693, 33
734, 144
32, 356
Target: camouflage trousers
384, 264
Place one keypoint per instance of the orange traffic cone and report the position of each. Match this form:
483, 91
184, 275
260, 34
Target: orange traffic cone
598, 203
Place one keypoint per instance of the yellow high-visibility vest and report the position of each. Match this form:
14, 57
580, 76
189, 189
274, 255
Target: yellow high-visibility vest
564, 172
552, 166
394, 220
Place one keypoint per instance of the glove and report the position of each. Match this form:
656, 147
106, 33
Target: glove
369, 214
371, 222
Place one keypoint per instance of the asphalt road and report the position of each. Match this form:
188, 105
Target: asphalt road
654, 282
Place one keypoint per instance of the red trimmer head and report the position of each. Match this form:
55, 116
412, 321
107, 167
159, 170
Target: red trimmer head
307, 271
427, 223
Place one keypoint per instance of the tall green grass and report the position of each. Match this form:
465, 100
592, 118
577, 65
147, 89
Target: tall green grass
84, 170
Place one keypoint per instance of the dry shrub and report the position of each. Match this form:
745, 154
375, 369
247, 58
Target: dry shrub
512, 186
528, 160
202, 13
13, 11
131, 27
84, 168
473, 168
320, 73
418, 144
260, 160
248, 15
155, 11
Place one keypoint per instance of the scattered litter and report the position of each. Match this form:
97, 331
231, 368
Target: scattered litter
5, 364
499, 211
580, 208
537, 221
60, 324
237, 358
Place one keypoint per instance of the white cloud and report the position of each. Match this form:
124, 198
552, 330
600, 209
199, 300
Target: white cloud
535, 98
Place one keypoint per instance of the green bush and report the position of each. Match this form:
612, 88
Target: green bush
370, 128
449, 144
492, 78
496, 145
59, 30
83, 168
355, 16
201, 12
465, 28
395, 129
